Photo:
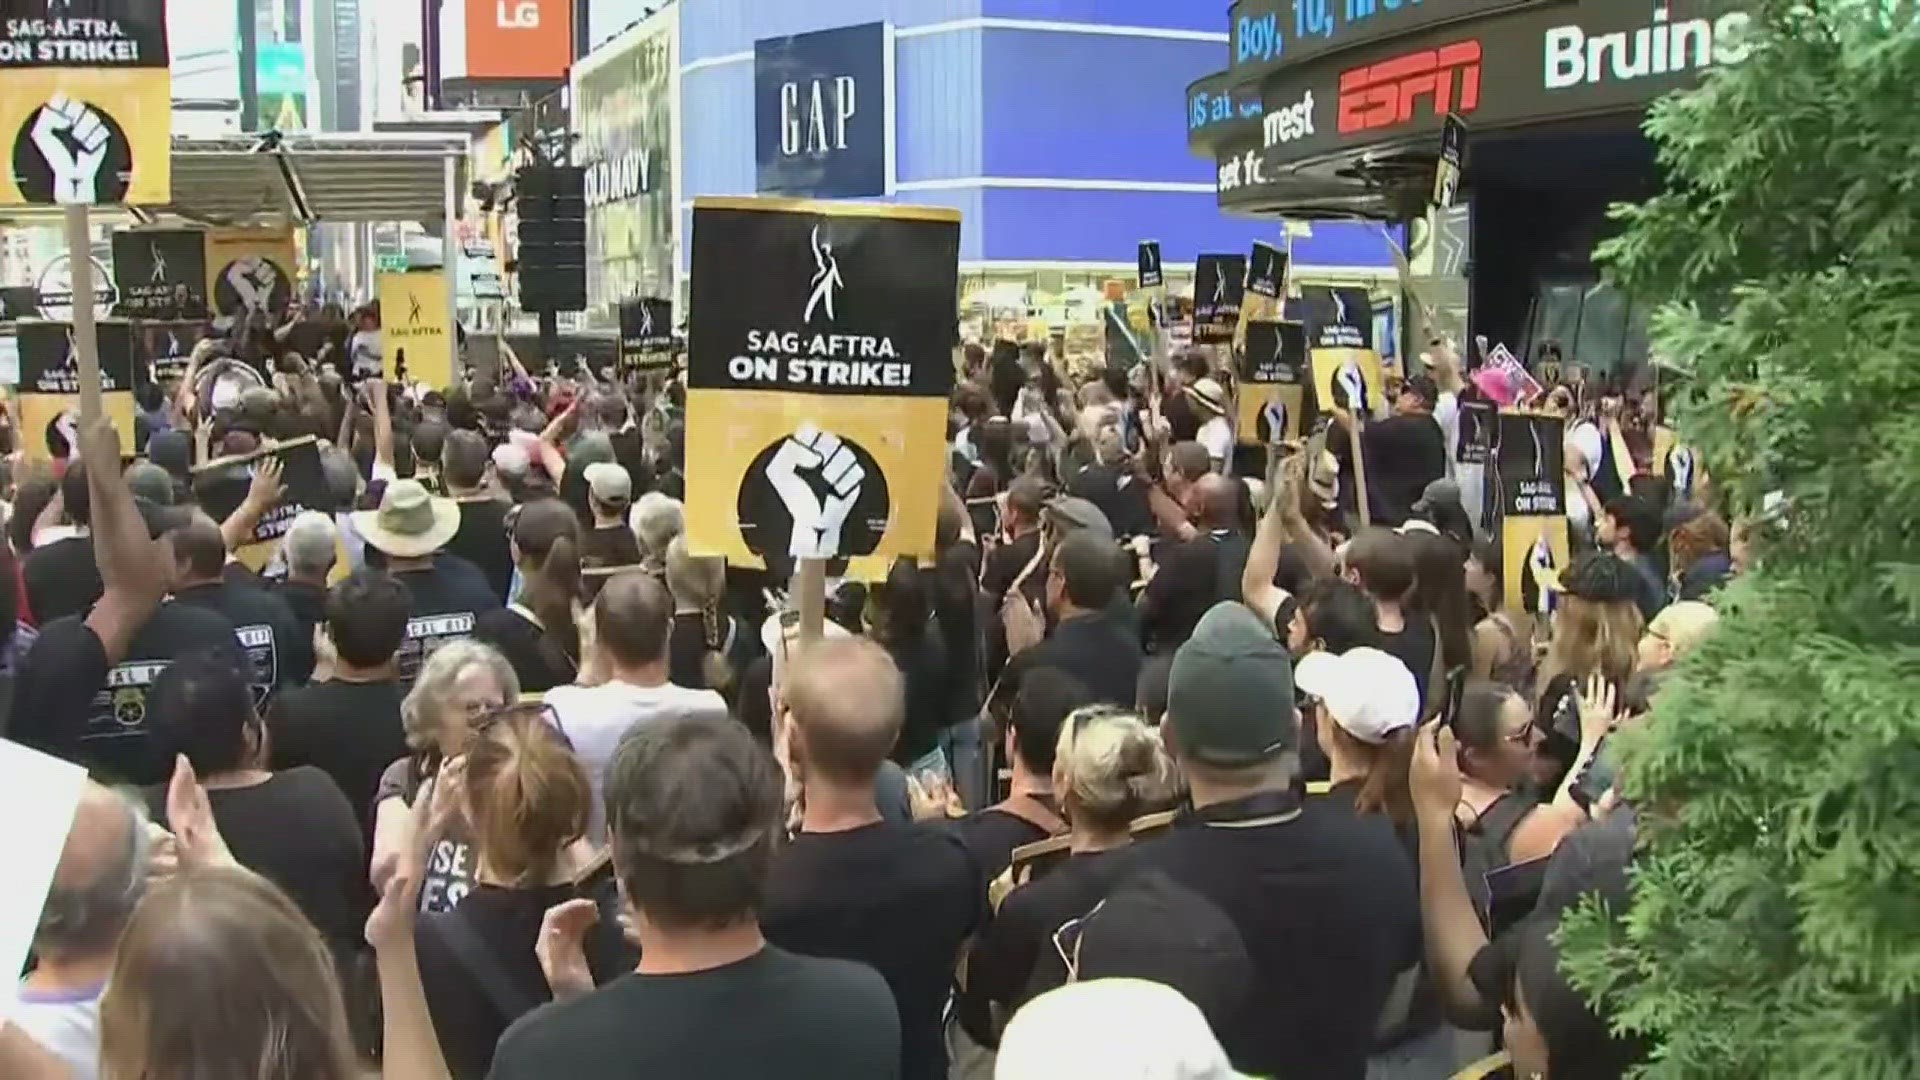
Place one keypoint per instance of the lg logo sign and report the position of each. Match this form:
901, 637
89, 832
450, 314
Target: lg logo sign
1388, 93
814, 116
517, 15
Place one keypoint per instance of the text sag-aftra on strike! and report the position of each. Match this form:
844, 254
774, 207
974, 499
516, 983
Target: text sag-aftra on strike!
840, 360
67, 41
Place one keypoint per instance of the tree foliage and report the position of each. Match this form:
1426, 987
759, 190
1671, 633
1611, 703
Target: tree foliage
1775, 929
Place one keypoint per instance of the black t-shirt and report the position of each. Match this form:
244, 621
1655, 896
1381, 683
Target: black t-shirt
923, 664
452, 862
308, 603
1005, 562
540, 666
613, 545
1193, 576
1404, 455
771, 1015
991, 836
62, 578
1414, 646
1119, 494
899, 898
448, 600
296, 830
1100, 650
1003, 965
474, 998
1330, 914
482, 541
350, 731
269, 635
71, 703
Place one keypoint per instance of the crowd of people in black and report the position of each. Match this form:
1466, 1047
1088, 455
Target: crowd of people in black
1168, 762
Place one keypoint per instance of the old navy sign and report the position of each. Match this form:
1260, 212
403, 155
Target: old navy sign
820, 113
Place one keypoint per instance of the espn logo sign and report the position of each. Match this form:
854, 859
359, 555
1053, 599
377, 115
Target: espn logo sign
1388, 93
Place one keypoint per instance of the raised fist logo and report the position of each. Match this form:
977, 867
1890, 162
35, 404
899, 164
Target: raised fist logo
1542, 576
253, 280
818, 479
72, 139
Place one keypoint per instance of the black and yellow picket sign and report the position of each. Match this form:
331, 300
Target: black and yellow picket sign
1219, 285
86, 103
1340, 343
161, 274
646, 334
49, 404
818, 369
250, 271
416, 329
1529, 481
221, 486
1272, 391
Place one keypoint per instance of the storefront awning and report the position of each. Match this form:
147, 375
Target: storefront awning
300, 179
376, 177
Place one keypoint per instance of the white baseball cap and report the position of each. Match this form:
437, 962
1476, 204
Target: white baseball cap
1369, 693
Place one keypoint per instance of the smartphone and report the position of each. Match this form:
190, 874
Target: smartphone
1601, 771
1456, 686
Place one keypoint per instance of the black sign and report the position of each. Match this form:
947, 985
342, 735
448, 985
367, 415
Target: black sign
1530, 460
819, 304
161, 274
1151, 276
1338, 318
221, 486
1267, 271
820, 113
646, 332
1521, 65
1276, 352
1219, 286
165, 350
50, 365
1453, 156
1475, 441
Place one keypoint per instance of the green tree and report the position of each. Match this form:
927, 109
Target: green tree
1775, 929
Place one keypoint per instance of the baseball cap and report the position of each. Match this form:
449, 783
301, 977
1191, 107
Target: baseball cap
609, 483
1230, 693
1111, 1027
1369, 693
1438, 493
1151, 927
1069, 513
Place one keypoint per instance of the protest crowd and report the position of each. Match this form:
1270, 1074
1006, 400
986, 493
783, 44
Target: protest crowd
481, 770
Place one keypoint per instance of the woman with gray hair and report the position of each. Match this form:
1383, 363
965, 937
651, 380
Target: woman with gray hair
460, 684
1109, 769
656, 520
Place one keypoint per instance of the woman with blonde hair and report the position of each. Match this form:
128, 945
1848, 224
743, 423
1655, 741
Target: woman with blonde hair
656, 519
1596, 632
703, 633
1109, 769
527, 801
460, 684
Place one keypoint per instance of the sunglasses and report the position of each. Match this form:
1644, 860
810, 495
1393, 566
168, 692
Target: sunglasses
550, 720
1524, 736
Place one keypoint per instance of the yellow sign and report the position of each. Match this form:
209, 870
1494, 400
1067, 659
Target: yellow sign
250, 272
819, 364
416, 329
86, 104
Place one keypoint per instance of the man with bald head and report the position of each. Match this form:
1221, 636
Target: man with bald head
1197, 572
899, 898
632, 618
101, 875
